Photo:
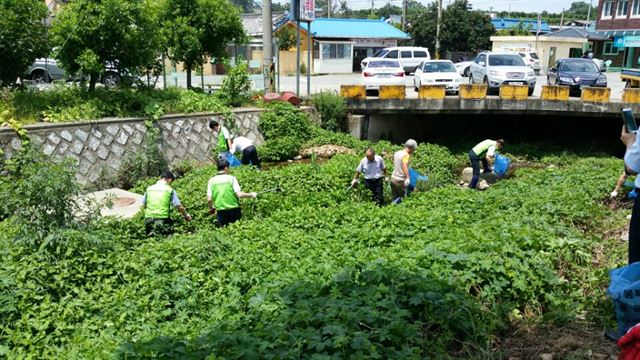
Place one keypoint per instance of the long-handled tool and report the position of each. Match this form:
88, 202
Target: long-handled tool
277, 189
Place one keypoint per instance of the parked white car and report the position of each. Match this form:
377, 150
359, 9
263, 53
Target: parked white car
438, 72
531, 59
463, 68
497, 68
382, 72
408, 57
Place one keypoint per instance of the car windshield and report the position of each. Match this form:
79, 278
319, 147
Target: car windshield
534, 56
380, 53
434, 67
384, 64
505, 60
579, 66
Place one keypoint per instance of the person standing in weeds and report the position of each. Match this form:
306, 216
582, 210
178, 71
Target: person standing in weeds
400, 177
374, 171
223, 195
632, 164
485, 152
157, 202
223, 146
245, 146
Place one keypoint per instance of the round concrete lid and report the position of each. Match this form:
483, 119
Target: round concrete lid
123, 201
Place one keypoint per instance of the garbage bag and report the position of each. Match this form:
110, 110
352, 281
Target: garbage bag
501, 165
233, 161
624, 291
632, 194
415, 176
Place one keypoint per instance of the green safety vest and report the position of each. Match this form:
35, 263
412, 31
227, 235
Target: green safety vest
223, 145
482, 148
158, 201
222, 194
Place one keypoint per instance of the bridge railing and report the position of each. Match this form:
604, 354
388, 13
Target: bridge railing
507, 92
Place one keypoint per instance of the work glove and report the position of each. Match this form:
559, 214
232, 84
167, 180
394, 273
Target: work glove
407, 181
387, 179
354, 182
614, 194
188, 217
254, 195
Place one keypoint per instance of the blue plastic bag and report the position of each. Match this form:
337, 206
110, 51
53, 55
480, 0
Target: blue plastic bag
233, 161
415, 176
632, 194
624, 291
501, 165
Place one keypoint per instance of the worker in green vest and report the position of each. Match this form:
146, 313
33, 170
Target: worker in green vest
485, 152
157, 202
223, 143
223, 195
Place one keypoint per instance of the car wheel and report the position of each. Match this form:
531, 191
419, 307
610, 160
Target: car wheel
466, 72
40, 76
416, 87
548, 81
111, 79
485, 81
470, 78
530, 92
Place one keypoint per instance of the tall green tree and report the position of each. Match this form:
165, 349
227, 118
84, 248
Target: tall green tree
197, 29
463, 29
22, 37
92, 34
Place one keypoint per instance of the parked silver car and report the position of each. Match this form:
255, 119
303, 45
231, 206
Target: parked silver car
46, 70
497, 68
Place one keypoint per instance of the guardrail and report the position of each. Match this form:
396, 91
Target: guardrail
507, 92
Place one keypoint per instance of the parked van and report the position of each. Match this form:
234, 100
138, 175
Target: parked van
408, 57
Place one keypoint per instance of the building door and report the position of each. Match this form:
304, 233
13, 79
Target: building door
552, 57
359, 54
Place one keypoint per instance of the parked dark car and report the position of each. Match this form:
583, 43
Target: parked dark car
46, 70
577, 74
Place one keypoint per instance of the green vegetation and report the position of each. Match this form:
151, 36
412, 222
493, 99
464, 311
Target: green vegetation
316, 271
285, 130
332, 109
73, 103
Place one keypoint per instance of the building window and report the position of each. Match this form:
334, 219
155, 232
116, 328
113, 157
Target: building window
623, 8
336, 51
607, 9
609, 49
635, 8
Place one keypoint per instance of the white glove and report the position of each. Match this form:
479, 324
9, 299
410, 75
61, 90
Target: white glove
354, 182
387, 179
614, 194
407, 181
253, 195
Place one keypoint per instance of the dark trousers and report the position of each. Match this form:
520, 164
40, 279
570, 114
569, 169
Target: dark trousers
250, 157
475, 165
158, 227
375, 185
634, 232
226, 217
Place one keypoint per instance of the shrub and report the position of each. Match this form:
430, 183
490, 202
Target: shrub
236, 86
285, 129
332, 109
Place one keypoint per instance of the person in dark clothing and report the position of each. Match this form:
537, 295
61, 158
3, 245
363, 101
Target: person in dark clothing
374, 171
249, 152
483, 152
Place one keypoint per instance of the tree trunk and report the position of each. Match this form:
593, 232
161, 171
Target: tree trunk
93, 79
189, 67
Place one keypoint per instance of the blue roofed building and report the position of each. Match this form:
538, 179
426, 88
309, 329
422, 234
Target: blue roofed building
512, 24
339, 45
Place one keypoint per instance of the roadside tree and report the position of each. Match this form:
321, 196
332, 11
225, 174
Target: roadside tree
91, 35
197, 29
22, 37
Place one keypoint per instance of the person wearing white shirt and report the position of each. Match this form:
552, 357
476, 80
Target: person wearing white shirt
632, 164
249, 152
374, 171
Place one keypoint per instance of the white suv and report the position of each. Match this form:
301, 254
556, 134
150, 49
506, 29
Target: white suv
408, 57
531, 59
497, 68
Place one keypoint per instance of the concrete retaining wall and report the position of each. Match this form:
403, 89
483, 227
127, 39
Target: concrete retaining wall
103, 145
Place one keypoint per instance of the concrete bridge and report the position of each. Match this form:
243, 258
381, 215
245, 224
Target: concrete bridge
393, 116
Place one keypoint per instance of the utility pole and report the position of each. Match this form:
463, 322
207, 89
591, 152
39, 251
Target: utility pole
562, 20
372, 8
267, 45
589, 11
438, 26
509, 13
404, 15
329, 9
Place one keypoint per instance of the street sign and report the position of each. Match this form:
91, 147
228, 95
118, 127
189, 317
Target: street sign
307, 10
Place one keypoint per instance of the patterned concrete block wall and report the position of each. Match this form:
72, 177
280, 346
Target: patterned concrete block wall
103, 145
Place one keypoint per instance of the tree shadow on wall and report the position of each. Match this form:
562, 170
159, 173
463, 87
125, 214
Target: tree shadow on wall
373, 311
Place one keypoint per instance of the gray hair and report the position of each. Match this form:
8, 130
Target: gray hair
411, 144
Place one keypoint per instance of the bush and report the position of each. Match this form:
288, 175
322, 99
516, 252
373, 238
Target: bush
236, 86
285, 129
332, 109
